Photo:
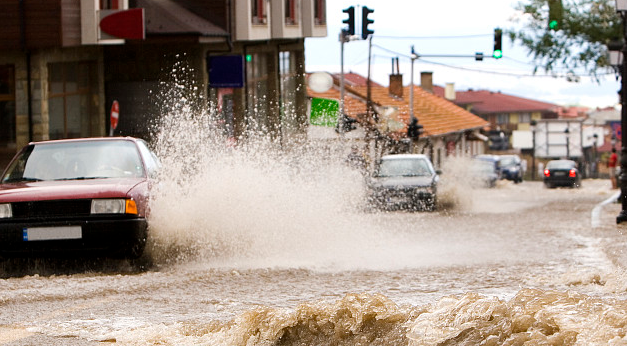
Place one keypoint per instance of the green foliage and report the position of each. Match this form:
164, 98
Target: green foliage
580, 41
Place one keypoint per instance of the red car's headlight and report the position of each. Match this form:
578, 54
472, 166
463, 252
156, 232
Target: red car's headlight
5, 211
113, 206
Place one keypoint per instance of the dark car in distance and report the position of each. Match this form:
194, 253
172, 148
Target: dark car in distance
404, 181
72, 197
562, 173
511, 168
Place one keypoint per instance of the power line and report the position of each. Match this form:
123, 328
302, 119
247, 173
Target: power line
433, 37
511, 74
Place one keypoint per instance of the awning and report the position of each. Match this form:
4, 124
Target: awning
475, 135
165, 17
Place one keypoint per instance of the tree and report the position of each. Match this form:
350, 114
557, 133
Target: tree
578, 43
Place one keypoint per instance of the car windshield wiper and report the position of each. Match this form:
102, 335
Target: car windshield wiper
27, 179
82, 178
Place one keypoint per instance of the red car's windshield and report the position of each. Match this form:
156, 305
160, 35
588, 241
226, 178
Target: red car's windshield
76, 160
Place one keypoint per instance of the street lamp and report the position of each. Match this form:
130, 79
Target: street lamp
532, 126
567, 133
621, 8
595, 168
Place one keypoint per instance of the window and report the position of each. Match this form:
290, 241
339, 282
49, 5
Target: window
69, 103
524, 118
258, 14
289, 84
502, 118
257, 92
320, 12
7, 106
109, 4
291, 12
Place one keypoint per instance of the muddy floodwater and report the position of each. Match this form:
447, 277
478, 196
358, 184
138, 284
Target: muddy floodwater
515, 265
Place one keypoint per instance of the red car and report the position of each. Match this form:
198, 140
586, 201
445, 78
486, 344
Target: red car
76, 197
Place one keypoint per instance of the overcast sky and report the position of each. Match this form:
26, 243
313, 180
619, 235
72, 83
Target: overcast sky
449, 27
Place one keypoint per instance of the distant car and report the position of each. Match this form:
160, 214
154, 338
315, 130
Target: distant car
404, 181
511, 168
483, 173
562, 173
493, 160
76, 196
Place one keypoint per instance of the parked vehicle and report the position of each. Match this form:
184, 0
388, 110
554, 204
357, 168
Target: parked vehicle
405, 181
511, 168
76, 196
562, 173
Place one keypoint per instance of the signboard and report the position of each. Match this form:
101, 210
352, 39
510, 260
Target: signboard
617, 130
324, 112
122, 24
115, 115
554, 141
226, 71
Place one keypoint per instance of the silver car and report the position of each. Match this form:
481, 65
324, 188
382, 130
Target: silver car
404, 181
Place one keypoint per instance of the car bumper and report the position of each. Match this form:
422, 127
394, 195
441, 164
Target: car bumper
402, 199
561, 181
100, 237
510, 175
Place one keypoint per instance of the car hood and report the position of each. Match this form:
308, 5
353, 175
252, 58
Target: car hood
68, 189
402, 181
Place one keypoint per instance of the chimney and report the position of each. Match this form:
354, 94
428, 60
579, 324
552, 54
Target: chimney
449, 92
426, 81
396, 85
396, 80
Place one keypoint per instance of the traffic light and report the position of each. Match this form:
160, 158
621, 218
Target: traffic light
365, 32
350, 21
414, 129
498, 51
556, 12
345, 124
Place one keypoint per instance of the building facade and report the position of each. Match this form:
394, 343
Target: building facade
60, 71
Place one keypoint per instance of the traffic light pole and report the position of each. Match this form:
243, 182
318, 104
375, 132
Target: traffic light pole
340, 118
622, 179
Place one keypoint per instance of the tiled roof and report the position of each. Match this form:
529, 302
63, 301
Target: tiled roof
353, 79
485, 102
437, 115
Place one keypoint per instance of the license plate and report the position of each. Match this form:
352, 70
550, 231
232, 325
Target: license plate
397, 200
559, 174
52, 233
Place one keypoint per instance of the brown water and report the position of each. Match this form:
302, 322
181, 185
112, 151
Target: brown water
255, 245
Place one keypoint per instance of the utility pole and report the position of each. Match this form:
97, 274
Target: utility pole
340, 118
412, 117
368, 87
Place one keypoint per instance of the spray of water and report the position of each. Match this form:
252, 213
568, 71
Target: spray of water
258, 203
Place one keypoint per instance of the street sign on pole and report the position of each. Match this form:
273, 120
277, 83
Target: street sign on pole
115, 115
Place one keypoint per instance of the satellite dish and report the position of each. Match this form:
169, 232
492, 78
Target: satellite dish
320, 82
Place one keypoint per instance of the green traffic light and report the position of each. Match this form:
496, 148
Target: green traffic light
497, 54
553, 24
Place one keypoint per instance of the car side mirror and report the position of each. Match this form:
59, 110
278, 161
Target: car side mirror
438, 171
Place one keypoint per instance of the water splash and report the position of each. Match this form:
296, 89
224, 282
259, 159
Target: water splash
532, 317
260, 203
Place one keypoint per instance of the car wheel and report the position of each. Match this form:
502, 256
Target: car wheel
430, 205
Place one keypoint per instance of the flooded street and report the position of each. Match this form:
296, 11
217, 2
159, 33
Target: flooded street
505, 266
